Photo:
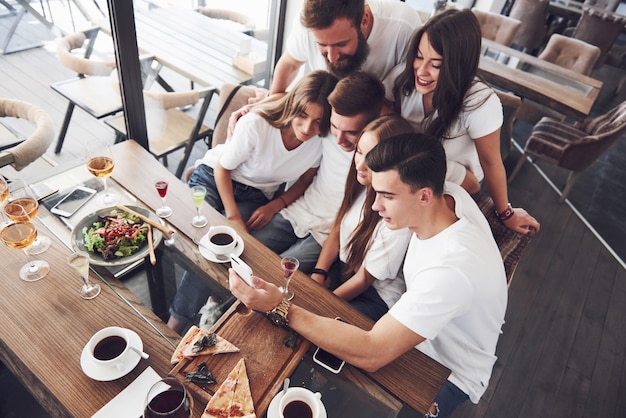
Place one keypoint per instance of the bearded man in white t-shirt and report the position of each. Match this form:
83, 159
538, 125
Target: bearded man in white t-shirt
456, 297
300, 229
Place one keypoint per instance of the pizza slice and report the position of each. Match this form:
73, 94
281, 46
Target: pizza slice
233, 398
199, 342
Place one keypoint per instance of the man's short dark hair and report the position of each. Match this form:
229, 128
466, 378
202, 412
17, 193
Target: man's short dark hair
320, 14
356, 94
419, 158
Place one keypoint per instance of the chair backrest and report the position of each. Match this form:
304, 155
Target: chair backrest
231, 15
227, 105
570, 53
533, 13
37, 143
599, 29
603, 131
498, 28
510, 105
610, 5
82, 64
511, 243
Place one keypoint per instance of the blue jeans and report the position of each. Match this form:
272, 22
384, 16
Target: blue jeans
278, 236
447, 400
190, 296
248, 198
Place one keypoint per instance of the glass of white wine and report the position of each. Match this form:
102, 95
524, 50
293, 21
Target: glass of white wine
197, 194
4, 196
20, 235
23, 206
100, 163
79, 261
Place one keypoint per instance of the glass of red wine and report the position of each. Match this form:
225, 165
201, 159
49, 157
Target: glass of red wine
168, 398
160, 183
289, 266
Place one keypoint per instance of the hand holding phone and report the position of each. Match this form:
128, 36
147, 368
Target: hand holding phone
242, 269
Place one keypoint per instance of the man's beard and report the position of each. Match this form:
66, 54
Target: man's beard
348, 64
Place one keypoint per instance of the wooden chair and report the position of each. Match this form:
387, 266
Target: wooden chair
512, 244
19, 156
566, 52
510, 106
91, 89
574, 148
496, 27
169, 127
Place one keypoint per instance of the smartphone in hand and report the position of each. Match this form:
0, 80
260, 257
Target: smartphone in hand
242, 269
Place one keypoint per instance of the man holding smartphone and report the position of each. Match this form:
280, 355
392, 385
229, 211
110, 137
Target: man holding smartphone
454, 305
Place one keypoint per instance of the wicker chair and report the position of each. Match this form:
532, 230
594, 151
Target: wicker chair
498, 28
37, 143
574, 148
511, 243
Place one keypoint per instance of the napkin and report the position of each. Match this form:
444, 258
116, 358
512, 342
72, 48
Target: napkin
130, 401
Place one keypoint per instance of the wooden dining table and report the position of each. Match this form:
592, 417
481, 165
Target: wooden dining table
48, 324
561, 89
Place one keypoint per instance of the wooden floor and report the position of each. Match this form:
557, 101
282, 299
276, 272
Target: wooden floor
563, 346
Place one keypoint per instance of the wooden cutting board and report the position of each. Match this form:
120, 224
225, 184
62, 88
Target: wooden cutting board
268, 360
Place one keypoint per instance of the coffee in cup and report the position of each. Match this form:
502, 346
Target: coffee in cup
300, 403
109, 347
222, 240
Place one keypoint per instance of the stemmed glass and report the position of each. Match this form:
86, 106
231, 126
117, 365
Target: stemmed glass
4, 196
100, 163
20, 235
160, 183
197, 194
289, 266
23, 206
79, 261
168, 398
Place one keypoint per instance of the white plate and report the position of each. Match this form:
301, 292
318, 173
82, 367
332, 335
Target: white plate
210, 255
272, 410
105, 374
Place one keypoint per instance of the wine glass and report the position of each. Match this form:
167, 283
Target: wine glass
289, 266
23, 206
20, 235
168, 398
197, 194
79, 261
100, 163
160, 183
4, 196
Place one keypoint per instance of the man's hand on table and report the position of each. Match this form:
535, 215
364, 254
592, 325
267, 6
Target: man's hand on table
263, 297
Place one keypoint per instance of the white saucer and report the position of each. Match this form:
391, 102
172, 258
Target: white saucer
272, 410
210, 255
105, 374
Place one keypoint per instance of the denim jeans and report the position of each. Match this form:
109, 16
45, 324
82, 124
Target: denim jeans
190, 296
447, 400
248, 198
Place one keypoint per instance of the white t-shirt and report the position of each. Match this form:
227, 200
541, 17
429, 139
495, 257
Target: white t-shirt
389, 39
456, 296
473, 122
315, 211
257, 157
385, 255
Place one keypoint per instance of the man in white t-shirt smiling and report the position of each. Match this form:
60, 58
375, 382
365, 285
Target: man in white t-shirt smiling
300, 229
456, 297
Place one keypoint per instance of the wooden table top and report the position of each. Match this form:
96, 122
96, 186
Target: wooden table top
43, 335
563, 90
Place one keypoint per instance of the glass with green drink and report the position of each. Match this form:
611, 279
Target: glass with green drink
197, 194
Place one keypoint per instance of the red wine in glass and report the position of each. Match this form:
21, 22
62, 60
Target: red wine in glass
289, 266
161, 186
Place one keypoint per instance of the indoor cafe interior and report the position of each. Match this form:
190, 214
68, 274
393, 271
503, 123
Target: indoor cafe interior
72, 72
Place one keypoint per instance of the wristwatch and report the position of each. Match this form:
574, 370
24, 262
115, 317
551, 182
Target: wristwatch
278, 315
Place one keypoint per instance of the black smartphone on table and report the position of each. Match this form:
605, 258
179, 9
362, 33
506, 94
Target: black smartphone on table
327, 360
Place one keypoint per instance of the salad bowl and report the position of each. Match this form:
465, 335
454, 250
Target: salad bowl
95, 258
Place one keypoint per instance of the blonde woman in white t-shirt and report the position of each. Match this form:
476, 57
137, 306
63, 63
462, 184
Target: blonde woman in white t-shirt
274, 144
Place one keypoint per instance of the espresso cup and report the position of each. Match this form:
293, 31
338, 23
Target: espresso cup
300, 403
109, 347
222, 240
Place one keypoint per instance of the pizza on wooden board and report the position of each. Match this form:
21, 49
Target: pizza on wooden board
199, 342
233, 398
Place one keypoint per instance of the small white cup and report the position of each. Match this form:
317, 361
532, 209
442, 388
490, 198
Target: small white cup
222, 248
109, 347
303, 395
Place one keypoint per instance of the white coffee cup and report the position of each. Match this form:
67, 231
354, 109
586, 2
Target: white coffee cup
222, 240
109, 347
296, 400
